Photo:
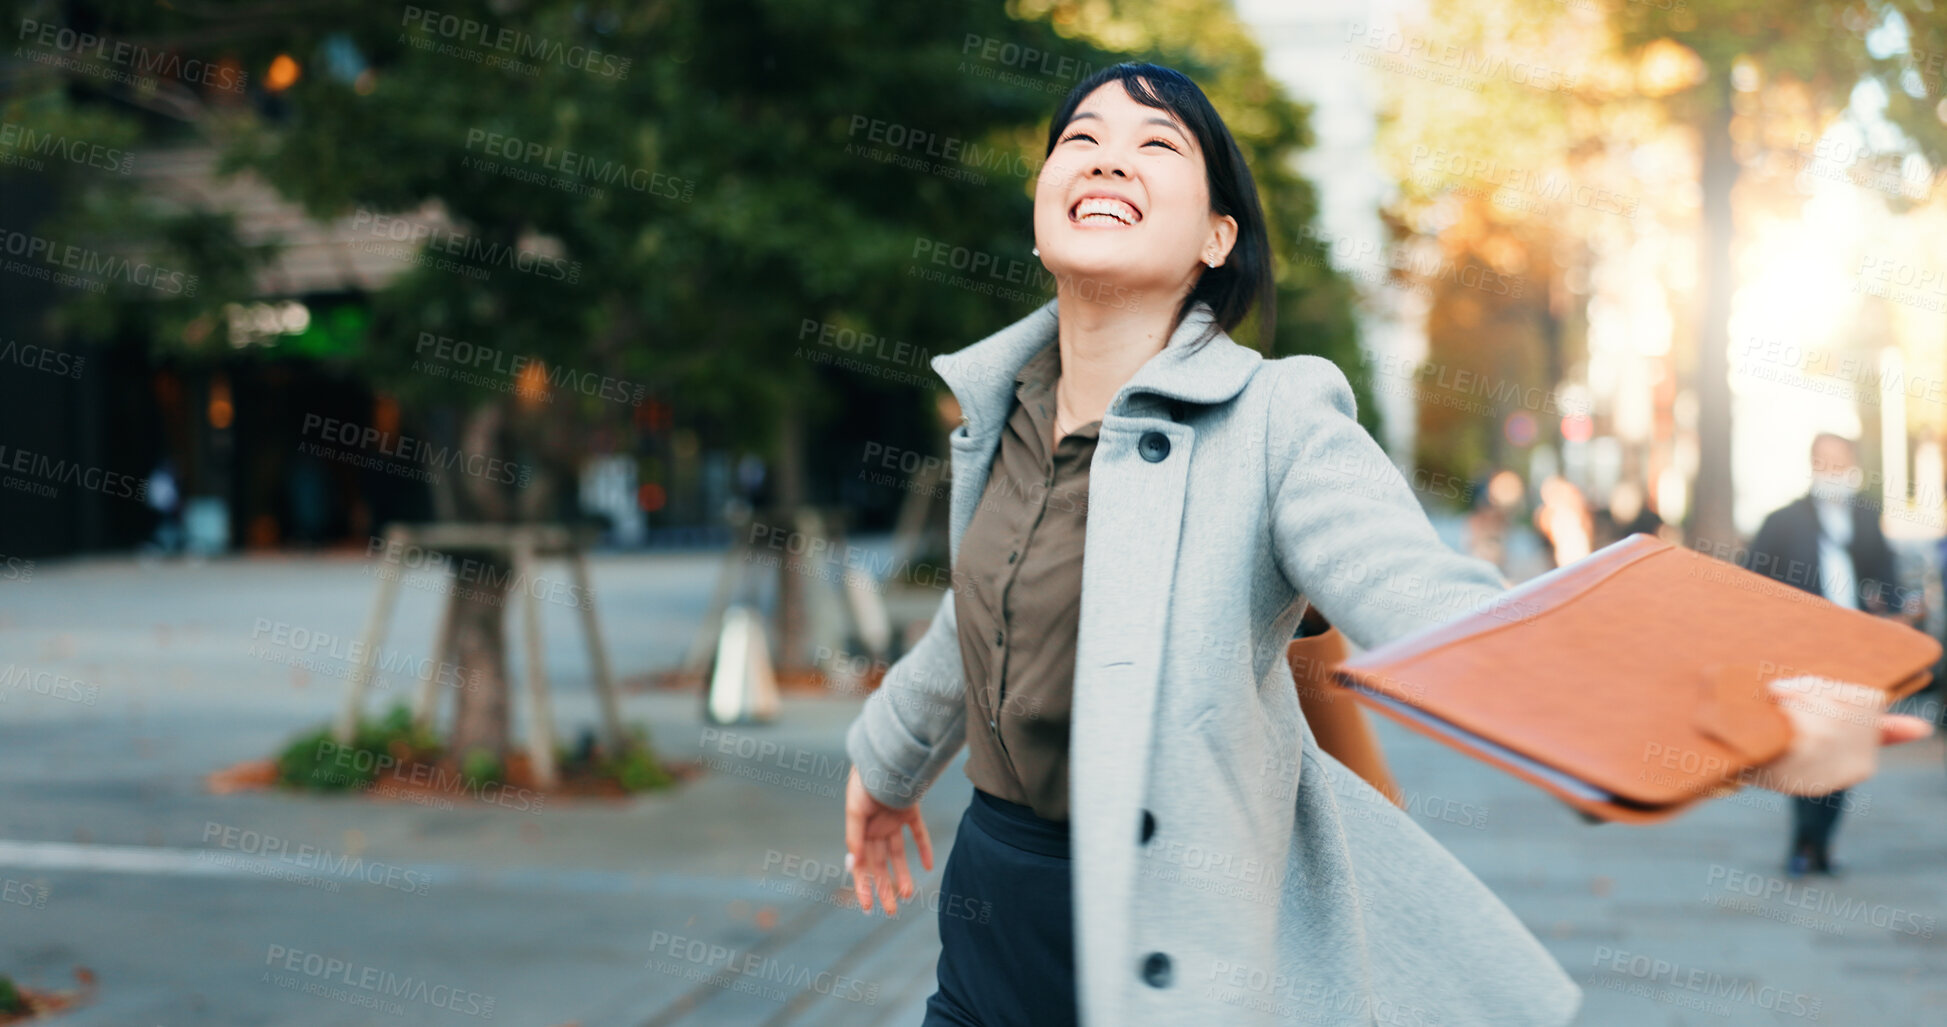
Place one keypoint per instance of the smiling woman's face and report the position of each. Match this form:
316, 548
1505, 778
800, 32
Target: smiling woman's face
1123, 199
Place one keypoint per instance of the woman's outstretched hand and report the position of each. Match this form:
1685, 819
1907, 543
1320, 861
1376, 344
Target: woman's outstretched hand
1837, 729
872, 839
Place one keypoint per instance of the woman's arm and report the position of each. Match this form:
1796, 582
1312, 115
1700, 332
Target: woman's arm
908, 729
1346, 529
1350, 536
915, 722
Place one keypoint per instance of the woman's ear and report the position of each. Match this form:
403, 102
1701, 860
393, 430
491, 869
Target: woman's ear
1223, 236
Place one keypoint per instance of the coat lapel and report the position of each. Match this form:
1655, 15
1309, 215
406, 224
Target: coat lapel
981, 378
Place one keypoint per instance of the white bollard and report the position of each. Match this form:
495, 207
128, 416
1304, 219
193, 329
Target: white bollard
742, 687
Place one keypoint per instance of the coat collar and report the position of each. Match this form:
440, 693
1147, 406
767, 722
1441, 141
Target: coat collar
982, 375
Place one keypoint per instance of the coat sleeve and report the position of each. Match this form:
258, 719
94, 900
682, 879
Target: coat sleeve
915, 722
1766, 554
1347, 531
1880, 588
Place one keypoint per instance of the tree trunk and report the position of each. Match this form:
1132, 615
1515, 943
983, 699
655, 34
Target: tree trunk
481, 712
1710, 509
789, 495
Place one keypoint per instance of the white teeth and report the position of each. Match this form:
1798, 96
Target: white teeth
1099, 206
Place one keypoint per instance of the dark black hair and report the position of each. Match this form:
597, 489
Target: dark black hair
1244, 278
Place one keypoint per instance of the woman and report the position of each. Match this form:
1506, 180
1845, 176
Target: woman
1155, 838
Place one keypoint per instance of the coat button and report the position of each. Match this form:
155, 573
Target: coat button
1156, 970
1149, 826
1153, 446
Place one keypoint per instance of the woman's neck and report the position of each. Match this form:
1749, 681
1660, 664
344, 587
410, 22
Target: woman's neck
1102, 346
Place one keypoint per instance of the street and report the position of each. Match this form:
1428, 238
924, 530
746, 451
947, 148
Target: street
723, 901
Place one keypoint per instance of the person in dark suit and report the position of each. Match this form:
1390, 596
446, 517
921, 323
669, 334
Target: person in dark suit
1828, 542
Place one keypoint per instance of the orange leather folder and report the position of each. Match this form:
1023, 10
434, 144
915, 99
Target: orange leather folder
1631, 684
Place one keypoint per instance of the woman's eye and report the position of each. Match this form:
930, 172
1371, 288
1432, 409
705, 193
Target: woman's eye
1079, 135
1163, 143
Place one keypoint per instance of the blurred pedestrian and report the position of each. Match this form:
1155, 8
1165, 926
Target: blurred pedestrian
307, 490
1828, 542
165, 498
754, 481
1564, 520
1497, 504
1627, 513
1487, 522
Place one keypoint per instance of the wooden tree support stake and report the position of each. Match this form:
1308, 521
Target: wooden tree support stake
525, 545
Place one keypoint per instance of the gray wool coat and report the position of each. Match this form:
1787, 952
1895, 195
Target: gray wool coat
1225, 870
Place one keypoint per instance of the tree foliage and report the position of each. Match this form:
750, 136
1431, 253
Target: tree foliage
725, 195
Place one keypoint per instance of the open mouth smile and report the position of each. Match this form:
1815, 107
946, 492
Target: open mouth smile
1104, 211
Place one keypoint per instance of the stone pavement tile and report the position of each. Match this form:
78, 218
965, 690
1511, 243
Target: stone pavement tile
198, 952
898, 957
821, 931
818, 960
1658, 922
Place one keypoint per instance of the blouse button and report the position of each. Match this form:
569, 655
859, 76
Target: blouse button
1153, 446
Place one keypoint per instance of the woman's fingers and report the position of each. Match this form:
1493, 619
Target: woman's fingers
1835, 736
854, 836
872, 836
922, 840
896, 846
870, 876
888, 901
1899, 728
1826, 696
880, 869
900, 882
859, 879
855, 858
871, 865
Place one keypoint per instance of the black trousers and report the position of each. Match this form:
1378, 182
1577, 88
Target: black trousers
1814, 819
1007, 915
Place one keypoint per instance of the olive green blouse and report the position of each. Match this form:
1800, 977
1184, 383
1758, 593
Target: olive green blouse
1017, 598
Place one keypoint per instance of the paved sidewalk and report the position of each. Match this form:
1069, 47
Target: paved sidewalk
720, 903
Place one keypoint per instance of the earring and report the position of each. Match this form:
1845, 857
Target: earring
1036, 251
1210, 262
